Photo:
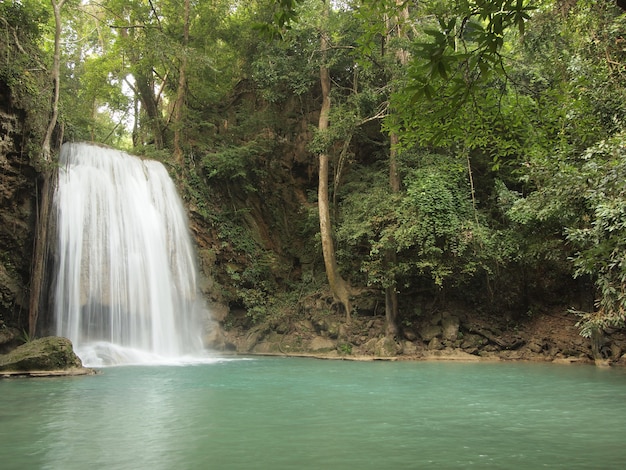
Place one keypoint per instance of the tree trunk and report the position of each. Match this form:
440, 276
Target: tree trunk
40, 252
145, 87
37, 275
180, 93
338, 285
391, 293
46, 151
144, 91
391, 311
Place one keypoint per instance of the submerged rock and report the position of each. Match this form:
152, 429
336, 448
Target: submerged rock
51, 353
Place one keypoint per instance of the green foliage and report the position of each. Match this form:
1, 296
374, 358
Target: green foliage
25, 337
24, 60
434, 197
30, 15
577, 105
248, 273
599, 236
436, 221
283, 70
466, 47
284, 14
533, 100
237, 162
345, 349
431, 227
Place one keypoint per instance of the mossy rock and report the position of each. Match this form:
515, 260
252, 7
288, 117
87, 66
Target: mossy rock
43, 354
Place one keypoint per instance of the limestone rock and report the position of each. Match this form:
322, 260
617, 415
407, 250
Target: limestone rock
435, 343
370, 346
386, 347
216, 340
430, 331
320, 343
254, 337
450, 326
409, 348
43, 354
17, 195
219, 311
471, 343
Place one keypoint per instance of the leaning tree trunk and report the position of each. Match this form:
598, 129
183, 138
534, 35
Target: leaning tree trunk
38, 269
338, 285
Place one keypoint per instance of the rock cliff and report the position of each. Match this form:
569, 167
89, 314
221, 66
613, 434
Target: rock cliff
17, 204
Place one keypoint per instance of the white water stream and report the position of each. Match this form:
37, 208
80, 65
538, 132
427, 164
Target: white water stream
125, 286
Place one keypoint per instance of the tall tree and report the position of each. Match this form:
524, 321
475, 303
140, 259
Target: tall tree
388, 21
43, 215
286, 14
55, 74
182, 86
397, 23
338, 285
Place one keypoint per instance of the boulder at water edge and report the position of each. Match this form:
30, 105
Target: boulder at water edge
50, 354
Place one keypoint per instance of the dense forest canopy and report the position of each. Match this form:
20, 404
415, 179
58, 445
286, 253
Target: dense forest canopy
475, 149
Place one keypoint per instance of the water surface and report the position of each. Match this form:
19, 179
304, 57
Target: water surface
287, 413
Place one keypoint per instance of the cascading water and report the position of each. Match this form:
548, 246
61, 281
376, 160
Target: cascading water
125, 288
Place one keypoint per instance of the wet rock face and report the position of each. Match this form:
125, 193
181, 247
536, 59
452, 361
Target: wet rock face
17, 196
43, 354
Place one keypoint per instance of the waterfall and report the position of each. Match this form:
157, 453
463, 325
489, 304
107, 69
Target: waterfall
125, 288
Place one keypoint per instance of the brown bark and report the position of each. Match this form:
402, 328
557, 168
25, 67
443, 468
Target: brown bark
46, 152
145, 87
394, 175
338, 285
40, 252
180, 93
391, 294
37, 275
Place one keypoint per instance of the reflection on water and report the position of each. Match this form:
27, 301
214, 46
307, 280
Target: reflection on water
299, 413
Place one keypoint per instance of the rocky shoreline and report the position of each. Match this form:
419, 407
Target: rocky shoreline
449, 335
451, 355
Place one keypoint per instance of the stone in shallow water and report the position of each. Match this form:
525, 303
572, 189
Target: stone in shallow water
43, 354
